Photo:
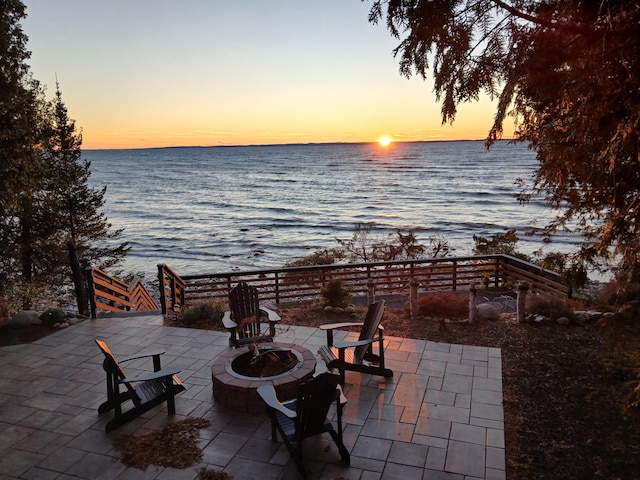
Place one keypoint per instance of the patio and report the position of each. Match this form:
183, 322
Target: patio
439, 417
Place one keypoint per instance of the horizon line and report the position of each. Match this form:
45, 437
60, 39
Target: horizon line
294, 144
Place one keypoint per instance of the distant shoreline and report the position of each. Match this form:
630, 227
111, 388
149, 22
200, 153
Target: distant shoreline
308, 144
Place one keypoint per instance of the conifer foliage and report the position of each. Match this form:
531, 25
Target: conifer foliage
51, 224
568, 71
79, 226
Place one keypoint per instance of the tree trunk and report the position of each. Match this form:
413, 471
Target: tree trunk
78, 279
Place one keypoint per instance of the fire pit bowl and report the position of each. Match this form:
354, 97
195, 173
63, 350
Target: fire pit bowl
236, 377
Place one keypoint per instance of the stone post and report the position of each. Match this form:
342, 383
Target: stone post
522, 289
473, 295
414, 305
371, 292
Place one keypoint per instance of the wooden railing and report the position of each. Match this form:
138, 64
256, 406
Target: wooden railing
380, 278
172, 291
140, 297
113, 295
539, 279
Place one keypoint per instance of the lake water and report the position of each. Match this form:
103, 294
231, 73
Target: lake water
218, 209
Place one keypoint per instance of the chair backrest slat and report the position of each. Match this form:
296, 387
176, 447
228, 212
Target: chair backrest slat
245, 309
110, 364
371, 324
314, 400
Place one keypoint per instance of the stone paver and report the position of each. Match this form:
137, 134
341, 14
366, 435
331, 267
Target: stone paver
440, 416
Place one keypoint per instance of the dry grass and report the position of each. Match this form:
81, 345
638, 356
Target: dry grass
176, 446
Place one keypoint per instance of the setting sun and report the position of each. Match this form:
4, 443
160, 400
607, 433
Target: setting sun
384, 141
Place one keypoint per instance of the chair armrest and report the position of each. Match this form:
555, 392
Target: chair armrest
333, 326
150, 353
268, 394
341, 398
271, 315
227, 322
145, 377
357, 343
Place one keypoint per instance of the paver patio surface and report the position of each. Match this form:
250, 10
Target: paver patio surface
439, 417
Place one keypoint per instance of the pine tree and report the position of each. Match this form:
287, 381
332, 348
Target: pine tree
50, 220
22, 122
75, 219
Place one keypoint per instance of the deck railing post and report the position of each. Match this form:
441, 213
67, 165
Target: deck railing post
455, 275
414, 304
92, 293
162, 286
371, 291
522, 289
473, 297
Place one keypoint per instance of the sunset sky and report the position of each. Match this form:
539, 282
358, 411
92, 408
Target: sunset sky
154, 73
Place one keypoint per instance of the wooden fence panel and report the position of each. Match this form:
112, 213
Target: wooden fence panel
107, 293
304, 283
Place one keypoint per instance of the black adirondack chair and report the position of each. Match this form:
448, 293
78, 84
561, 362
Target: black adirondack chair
306, 415
358, 356
245, 316
145, 391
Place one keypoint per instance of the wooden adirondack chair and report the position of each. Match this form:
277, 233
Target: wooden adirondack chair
358, 356
306, 416
145, 391
243, 320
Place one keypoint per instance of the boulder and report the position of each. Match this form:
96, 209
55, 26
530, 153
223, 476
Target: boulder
485, 311
24, 318
52, 316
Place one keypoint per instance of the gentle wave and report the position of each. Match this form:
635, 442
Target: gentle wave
213, 209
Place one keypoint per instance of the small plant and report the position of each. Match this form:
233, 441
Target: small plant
444, 305
336, 293
208, 310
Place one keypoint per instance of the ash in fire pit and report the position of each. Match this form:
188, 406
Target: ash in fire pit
264, 362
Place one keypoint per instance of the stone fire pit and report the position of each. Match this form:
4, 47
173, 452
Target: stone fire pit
235, 386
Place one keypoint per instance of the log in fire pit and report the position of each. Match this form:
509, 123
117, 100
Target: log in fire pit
237, 374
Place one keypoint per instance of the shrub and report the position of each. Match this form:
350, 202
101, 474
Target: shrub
319, 257
552, 308
444, 305
336, 293
632, 406
5, 312
501, 243
207, 310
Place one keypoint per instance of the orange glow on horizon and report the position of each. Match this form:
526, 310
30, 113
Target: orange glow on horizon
384, 141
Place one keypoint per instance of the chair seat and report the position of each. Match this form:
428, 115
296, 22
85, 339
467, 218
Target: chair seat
359, 355
148, 391
306, 416
145, 391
